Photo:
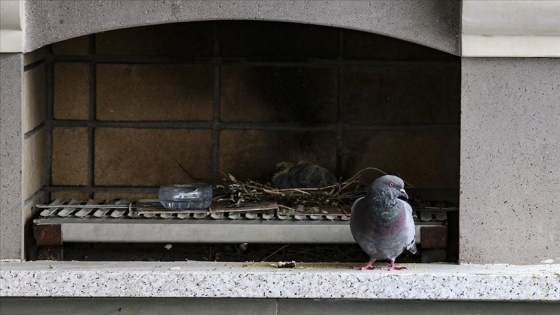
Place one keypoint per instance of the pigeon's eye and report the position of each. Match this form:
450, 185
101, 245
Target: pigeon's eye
391, 184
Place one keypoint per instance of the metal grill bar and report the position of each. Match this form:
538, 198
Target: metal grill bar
122, 209
122, 221
208, 231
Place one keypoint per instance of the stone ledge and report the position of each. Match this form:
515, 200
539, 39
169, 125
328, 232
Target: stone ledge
236, 280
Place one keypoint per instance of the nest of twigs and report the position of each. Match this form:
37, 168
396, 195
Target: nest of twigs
235, 193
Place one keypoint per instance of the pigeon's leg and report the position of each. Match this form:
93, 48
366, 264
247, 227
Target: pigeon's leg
393, 267
366, 266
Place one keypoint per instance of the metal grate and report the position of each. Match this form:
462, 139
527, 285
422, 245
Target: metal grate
150, 209
146, 221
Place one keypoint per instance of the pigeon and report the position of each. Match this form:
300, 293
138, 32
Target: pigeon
382, 224
302, 175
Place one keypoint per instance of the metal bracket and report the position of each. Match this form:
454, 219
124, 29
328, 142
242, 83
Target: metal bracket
48, 235
434, 236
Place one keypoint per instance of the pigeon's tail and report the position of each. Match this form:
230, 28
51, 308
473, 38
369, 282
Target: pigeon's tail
412, 247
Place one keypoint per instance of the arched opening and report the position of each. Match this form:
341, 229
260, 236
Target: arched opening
126, 107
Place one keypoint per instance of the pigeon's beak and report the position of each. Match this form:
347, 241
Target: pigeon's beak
403, 194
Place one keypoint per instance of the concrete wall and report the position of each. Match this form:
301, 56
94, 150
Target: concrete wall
510, 160
11, 70
11, 33
62, 306
510, 28
433, 23
23, 97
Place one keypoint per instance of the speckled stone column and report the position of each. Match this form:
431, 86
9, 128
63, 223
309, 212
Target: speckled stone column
510, 160
11, 140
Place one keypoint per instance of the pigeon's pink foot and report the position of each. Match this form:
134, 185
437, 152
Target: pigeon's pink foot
393, 267
366, 266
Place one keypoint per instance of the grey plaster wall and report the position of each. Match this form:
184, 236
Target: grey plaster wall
510, 160
434, 23
11, 71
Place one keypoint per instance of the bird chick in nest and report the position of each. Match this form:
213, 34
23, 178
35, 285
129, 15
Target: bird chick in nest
302, 175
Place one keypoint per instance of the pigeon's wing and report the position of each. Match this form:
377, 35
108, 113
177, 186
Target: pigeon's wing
410, 229
356, 221
307, 175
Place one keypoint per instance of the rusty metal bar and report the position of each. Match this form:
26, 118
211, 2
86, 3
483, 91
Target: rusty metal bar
434, 236
48, 235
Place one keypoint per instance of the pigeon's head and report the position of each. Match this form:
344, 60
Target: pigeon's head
280, 178
284, 166
390, 184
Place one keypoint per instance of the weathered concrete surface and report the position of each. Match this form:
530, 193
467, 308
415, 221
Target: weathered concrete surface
511, 17
437, 282
11, 34
122, 306
510, 161
433, 23
11, 146
335, 307
204, 306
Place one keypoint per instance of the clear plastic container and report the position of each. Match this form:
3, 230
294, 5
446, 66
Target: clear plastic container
189, 196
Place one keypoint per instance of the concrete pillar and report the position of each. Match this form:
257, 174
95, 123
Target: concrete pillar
11, 149
510, 160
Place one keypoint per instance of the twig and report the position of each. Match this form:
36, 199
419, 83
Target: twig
187, 172
353, 178
276, 251
338, 195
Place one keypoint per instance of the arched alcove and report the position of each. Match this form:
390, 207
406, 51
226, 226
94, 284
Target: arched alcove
126, 107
